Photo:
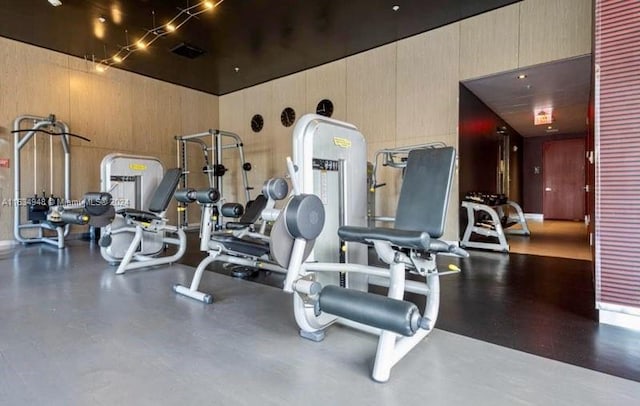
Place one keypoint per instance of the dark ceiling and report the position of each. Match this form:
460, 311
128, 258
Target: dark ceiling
265, 39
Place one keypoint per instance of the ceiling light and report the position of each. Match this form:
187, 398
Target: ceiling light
183, 16
55, 3
550, 128
100, 68
395, 8
522, 76
102, 19
236, 69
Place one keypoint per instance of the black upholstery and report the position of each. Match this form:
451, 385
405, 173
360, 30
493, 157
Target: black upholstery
251, 214
165, 190
425, 191
407, 239
138, 215
422, 206
245, 245
160, 200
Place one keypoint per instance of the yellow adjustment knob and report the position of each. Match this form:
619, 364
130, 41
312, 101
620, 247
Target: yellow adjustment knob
344, 248
182, 209
85, 218
372, 190
453, 267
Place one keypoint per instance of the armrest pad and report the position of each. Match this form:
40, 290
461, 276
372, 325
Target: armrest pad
402, 238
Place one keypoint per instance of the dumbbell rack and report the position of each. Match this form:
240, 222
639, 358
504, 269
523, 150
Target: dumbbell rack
212, 143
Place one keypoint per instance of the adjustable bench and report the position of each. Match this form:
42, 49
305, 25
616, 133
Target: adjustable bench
238, 245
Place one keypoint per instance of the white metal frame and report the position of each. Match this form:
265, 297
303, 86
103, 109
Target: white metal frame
392, 347
20, 142
495, 229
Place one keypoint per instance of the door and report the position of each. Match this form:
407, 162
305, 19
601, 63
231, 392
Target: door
563, 179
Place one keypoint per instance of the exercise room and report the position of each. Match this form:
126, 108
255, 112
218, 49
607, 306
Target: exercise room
237, 202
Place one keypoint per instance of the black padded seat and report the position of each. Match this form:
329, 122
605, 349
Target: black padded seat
160, 199
248, 246
251, 214
138, 215
419, 240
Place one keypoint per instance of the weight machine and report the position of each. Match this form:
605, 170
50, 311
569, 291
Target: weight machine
213, 168
40, 216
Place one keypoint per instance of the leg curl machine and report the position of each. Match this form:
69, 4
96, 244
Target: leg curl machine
412, 245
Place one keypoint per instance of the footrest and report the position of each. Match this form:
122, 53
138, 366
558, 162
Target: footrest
373, 310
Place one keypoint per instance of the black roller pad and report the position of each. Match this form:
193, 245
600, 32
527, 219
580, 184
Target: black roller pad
370, 309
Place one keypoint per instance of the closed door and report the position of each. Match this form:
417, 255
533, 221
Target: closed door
563, 179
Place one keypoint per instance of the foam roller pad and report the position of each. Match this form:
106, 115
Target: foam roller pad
373, 310
234, 210
185, 195
210, 195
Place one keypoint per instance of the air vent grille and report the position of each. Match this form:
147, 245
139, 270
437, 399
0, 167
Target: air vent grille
187, 50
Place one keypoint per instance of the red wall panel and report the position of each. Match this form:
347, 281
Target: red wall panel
617, 58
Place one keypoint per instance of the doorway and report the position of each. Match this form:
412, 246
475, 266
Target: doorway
563, 182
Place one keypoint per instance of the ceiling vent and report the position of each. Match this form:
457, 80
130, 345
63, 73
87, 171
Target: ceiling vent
187, 50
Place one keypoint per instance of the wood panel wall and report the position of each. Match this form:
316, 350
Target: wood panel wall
407, 92
119, 111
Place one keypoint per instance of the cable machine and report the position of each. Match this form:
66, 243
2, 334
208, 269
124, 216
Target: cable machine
212, 143
38, 215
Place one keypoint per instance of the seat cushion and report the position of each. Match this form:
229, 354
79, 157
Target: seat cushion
138, 215
245, 245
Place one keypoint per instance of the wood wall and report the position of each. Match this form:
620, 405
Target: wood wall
407, 92
119, 111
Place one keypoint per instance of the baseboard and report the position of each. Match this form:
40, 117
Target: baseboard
534, 217
622, 317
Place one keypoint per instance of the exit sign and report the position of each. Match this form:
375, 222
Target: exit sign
4, 162
543, 116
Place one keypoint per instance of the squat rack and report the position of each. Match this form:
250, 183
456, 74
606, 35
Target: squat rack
216, 170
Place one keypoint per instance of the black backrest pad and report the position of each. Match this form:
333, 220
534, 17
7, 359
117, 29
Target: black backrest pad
425, 191
165, 190
253, 210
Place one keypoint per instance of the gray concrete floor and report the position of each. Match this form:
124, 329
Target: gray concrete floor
73, 333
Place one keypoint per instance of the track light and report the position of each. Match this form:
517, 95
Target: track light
153, 34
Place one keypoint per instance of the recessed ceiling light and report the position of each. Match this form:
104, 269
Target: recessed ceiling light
236, 69
522, 76
395, 8
550, 128
55, 3
102, 19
